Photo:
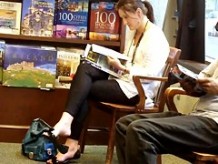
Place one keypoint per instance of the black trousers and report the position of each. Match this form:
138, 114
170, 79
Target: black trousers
139, 138
91, 83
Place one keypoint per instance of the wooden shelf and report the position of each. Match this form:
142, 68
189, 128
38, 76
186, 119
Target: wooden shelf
19, 106
50, 40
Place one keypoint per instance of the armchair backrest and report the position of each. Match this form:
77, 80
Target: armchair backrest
172, 60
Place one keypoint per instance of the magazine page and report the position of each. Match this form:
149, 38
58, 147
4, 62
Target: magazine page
187, 72
108, 52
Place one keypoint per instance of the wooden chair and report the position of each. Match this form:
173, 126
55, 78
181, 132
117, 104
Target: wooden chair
117, 110
193, 157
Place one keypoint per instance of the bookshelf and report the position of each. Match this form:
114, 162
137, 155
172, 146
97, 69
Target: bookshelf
19, 106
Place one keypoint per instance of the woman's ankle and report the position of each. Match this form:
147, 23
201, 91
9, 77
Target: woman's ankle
63, 127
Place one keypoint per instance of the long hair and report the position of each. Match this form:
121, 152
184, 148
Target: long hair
133, 5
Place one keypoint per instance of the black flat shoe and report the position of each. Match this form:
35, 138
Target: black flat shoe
68, 160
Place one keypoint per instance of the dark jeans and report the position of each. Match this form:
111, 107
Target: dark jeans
92, 83
139, 138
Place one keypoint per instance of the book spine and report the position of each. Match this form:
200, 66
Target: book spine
2, 52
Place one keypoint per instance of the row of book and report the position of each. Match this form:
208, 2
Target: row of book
38, 66
60, 19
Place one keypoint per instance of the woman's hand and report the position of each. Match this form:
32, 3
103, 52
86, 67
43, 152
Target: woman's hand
114, 62
209, 85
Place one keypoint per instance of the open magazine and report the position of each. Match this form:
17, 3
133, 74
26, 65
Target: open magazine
188, 80
97, 56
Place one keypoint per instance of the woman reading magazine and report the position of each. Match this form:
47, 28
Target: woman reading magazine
148, 50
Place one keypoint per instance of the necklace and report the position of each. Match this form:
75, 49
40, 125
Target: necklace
141, 35
137, 44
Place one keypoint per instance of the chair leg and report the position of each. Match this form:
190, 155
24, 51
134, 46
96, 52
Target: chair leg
83, 139
111, 140
159, 160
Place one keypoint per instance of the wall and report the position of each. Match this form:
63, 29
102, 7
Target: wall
170, 24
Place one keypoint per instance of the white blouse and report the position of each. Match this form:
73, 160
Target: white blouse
151, 55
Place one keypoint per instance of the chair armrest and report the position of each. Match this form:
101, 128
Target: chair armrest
169, 94
141, 93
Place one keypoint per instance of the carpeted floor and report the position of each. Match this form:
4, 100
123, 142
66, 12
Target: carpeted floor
10, 154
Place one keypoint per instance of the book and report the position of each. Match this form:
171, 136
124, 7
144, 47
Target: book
104, 21
97, 56
10, 17
71, 19
68, 59
187, 72
37, 17
188, 81
29, 66
2, 51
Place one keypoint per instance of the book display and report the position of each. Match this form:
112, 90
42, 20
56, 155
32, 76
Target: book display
37, 17
2, 51
71, 19
104, 21
19, 105
31, 67
10, 16
67, 63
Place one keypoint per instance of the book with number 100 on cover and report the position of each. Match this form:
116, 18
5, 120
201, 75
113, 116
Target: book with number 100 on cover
104, 21
71, 19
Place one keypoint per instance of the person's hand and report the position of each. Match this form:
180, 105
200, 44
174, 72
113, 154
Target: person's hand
114, 62
188, 84
209, 85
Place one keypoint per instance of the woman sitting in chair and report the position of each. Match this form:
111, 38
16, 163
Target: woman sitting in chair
141, 137
148, 50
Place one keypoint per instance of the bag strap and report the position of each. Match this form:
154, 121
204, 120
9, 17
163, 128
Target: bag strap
44, 127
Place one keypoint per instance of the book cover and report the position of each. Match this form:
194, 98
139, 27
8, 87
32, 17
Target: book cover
2, 51
104, 21
67, 62
26, 66
10, 17
97, 56
37, 17
71, 19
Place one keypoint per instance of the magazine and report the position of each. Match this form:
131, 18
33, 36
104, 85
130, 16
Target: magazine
188, 81
97, 56
187, 72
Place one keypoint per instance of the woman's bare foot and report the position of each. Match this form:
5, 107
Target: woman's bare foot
73, 148
63, 127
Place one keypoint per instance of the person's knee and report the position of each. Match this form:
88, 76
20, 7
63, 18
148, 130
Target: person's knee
137, 129
84, 65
